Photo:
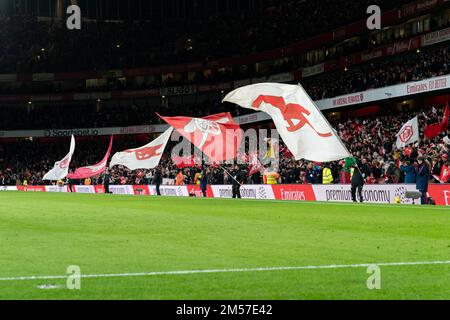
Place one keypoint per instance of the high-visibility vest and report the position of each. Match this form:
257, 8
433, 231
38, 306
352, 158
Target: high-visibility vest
179, 179
197, 178
327, 176
272, 177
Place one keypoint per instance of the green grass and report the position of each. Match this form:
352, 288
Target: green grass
43, 233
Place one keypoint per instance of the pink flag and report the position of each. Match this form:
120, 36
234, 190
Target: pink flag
90, 171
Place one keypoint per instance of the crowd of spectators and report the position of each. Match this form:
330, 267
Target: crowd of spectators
370, 140
409, 67
30, 45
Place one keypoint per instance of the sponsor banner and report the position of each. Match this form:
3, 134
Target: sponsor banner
8, 188
168, 182
215, 87
121, 189
252, 118
195, 191
294, 192
416, 7
84, 189
372, 55
176, 91
92, 96
440, 193
333, 193
373, 193
8, 77
314, 70
31, 188
88, 132
175, 191
396, 91
43, 76
436, 37
247, 191
141, 190
281, 77
56, 189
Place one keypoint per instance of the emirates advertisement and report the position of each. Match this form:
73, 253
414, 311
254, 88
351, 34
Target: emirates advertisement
381, 194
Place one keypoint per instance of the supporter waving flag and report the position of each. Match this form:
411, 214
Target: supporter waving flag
61, 168
304, 129
408, 134
433, 130
90, 171
145, 157
219, 139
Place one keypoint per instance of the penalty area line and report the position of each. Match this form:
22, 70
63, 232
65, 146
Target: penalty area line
200, 271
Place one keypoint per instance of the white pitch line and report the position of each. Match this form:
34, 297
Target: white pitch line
184, 272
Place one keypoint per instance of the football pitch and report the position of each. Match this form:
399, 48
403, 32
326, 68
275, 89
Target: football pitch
188, 248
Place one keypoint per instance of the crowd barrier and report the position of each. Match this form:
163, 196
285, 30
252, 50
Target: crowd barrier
296, 192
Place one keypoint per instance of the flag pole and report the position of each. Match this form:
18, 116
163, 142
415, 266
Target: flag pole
229, 174
325, 119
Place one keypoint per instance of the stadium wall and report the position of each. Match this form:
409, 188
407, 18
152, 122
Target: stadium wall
381, 194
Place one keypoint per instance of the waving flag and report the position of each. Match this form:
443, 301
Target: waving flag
304, 129
409, 133
90, 171
433, 130
219, 138
146, 157
61, 168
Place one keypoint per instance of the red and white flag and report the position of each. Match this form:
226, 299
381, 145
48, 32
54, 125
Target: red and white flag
219, 139
409, 133
146, 157
61, 168
90, 171
435, 129
304, 129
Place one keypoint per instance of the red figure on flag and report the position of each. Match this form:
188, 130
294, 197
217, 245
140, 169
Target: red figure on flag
145, 153
290, 111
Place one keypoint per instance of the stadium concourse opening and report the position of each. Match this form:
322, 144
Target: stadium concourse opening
226, 149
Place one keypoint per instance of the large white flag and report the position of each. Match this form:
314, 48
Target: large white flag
408, 134
304, 129
146, 157
61, 168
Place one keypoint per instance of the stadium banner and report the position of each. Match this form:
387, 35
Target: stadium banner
31, 188
372, 193
247, 191
174, 191
314, 70
379, 193
56, 189
8, 188
295, 192
43, 76
8, 77
396, 91
440, 193
176, 91
435, 37
87, 132
84, 189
